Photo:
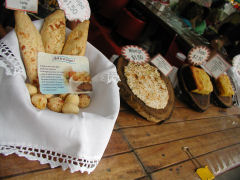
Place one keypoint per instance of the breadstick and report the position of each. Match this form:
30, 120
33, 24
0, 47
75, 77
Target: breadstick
77, 40
53, 32
30, 43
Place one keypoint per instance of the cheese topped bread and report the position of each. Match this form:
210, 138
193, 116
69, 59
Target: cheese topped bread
30, 43
145, 83
53, 32
224, 85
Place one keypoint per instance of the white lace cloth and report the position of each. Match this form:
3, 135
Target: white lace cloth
68, 140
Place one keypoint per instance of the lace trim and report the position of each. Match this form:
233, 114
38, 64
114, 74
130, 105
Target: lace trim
52, 158
9, 62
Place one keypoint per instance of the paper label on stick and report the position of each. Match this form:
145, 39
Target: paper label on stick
216, 66
60, 74
75, 10
25, 5
135, 54
162, 64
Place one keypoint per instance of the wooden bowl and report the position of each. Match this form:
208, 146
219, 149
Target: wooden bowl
151, 114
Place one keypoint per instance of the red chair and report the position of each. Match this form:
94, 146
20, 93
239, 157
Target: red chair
128, 26
99, 36
171, 54
111, 8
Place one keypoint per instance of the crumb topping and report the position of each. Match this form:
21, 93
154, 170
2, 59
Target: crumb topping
146, 83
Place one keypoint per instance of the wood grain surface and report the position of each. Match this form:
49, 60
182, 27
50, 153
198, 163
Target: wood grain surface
140, 149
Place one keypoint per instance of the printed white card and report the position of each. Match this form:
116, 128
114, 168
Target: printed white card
60, 74
216, 66
25, 5
162, 64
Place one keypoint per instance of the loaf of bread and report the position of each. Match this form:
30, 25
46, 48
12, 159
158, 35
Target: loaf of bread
77, 40
145, 82
53, 32
224, 85
202, 81
30, 43
197, 80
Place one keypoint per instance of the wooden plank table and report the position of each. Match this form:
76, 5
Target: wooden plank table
139, 149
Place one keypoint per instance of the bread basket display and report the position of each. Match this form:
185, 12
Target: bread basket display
41, 128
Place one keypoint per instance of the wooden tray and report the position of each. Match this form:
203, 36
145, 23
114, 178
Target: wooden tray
198, 102
151, 114
221, 101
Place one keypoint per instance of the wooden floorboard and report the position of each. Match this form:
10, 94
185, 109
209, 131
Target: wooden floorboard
130, 118
142, 150
116, 167
218, 162
156, 134
167, 154
12, 165
182, 113
117, 145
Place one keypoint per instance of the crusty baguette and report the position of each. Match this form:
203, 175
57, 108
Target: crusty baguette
30, 43
77, 40
53, 32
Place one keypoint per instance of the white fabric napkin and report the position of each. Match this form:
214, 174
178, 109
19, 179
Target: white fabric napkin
67, 140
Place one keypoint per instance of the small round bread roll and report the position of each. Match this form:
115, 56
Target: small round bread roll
72, 98
31, 89
63, 96
70, 108
39, 101
84, 100
48, 96
55, 104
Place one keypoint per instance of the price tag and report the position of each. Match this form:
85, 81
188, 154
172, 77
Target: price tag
198, 55
216, 66
75, 10
25, 5
135, 54
162, 64
60, 74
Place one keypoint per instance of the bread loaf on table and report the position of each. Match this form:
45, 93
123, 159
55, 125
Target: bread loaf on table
30, 43
198, 81
224, 85
77, 40
53, 32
